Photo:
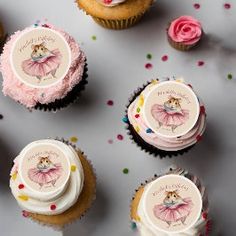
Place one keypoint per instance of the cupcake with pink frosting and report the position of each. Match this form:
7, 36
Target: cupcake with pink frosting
184, 33
43, 67
165, 117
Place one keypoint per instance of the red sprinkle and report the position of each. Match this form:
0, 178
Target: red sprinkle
190, 86
204, 215
53, 207
227, 6
120, 137
25, 214
137, 116
199, 138
196, 6
202, 110
110, 141
200, 63
148, 66
21, 186
107, 1
164, 58
110, 103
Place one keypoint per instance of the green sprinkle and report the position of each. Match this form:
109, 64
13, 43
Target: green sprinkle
230, 76
133, 226
149, 56
138, 110
94, 37
126, 171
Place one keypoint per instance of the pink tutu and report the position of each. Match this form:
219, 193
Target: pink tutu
173, 213
44, 66
167, 118
41, 177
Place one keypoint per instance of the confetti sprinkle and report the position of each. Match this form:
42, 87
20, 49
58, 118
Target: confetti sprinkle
148, 66
74, 139
199, 138
164, 58
126, 171
227, 6
133, 226
53, 207
110, 103
23, 197
25, 214
204, 215
137, 116
148, 131
73, 168
14, 176
21, 186
201, 63
138, 110
1, 116
230, 76
94, 37
149, 56
137, 129
120, 137
202, 110
125, 119
196, 6
110, 141
35, 25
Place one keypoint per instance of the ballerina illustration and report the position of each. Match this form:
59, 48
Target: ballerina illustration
45, 173
170, 114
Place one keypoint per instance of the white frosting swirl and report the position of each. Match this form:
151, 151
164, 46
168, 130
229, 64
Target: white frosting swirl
199, 228
110, 3
65, 197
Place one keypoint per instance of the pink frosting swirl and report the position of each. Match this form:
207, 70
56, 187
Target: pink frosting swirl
29, 96
186, 30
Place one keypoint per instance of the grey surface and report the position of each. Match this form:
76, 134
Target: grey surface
116, 67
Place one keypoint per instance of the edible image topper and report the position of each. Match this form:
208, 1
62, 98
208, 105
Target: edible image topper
172, 204
44, 168
171, 109
40, 57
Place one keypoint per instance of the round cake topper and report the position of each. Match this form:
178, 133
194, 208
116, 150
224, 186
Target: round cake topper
171, 109
44, 168
40, 57
172, 203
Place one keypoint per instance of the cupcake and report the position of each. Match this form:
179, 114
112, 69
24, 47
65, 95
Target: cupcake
43, 68
165, 118
115, 14
172, 204
184, 33
53, 182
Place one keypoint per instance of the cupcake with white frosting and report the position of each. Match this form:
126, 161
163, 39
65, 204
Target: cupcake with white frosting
166, 118
171, 204
53, 182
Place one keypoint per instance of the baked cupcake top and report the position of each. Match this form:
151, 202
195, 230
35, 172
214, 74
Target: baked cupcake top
168, 115
173, 204
111, 3
40, 65
185, 30
47, 177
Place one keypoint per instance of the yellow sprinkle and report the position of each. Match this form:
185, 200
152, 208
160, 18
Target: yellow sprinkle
73, 168
23, 197
74, 139
180, 80
137, 129
14, 176
154, 81
141, 100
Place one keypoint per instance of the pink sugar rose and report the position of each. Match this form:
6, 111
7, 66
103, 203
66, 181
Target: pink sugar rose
186, 30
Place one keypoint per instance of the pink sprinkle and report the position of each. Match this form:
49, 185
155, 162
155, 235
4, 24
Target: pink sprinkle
110, 103
120, 137
201, 63
227, 6
148, 66
25, 213
110, 141
164, 58
196, 6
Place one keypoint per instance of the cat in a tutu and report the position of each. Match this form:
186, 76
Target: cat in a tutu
42, 62
46, 172
174, 208
170, 114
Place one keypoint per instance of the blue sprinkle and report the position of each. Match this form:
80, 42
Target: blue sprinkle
149, 131
125, 119
133, 226
35, 25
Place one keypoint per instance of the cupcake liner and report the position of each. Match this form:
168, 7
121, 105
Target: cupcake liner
83, 204
139, 192
70, 98
180, 46
118, 24
134, 136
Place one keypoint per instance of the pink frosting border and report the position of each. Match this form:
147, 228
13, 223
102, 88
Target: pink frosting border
29, 96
